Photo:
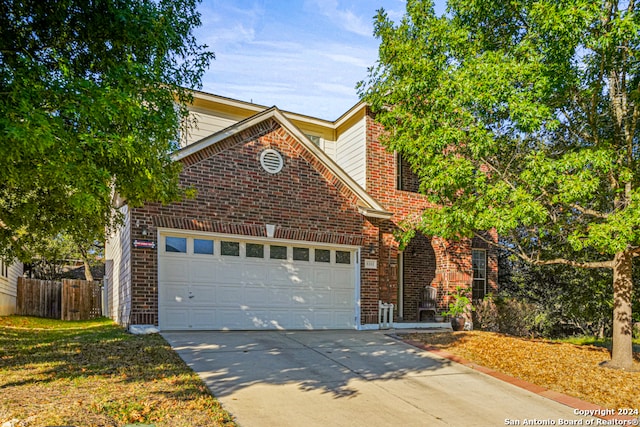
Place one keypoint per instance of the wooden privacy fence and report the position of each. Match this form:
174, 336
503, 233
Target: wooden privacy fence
67, 299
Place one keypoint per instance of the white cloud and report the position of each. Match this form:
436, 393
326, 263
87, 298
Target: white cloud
336, 88
304, 57
238, 33
345, 18
347, 59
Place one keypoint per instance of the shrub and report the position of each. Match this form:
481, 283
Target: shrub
511, 316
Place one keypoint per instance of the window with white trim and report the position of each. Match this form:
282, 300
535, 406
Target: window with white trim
479, 264
4, 269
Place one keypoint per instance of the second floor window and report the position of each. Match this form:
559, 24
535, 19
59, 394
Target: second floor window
406, 179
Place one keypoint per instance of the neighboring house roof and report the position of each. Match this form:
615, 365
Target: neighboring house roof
367, 205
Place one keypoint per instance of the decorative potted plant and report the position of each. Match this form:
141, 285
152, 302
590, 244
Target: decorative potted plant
459, 307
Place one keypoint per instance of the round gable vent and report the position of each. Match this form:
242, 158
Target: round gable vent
271, 160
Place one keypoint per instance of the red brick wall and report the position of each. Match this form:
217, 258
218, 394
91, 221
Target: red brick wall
427, 261
235, 195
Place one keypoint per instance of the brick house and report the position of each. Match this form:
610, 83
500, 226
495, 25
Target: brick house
292, 227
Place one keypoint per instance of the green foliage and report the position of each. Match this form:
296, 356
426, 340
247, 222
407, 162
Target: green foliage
51, 256
511, 316
522, 117
577, 301
517, 116
461, 304
92, 99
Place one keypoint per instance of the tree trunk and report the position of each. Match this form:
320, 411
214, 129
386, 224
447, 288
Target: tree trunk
622, 348
87, 271
85, 261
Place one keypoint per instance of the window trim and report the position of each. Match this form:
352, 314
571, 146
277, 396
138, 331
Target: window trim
474, 279
398, 157
4, 269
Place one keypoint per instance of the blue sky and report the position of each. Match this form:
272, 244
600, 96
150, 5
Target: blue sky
304, 56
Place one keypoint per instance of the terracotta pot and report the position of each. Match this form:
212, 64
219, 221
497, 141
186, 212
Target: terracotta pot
457, 323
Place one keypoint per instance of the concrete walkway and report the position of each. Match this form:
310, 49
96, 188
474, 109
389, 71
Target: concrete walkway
351, 378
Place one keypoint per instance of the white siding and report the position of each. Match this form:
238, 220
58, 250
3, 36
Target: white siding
351, 152
9, 288
118, 271
330, 149
205, 125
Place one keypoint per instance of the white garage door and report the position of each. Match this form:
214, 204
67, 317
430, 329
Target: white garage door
224, 283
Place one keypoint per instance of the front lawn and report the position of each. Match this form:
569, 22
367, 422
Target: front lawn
560, 366
94, 373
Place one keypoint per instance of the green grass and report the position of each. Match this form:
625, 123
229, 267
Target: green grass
94, 373
599, 342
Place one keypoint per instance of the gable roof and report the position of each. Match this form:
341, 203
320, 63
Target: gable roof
367, 205
204, 102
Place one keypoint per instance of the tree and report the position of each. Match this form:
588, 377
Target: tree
570, 299
52, 257
92, 98
522, 116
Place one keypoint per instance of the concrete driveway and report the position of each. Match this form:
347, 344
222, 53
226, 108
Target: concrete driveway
350, 378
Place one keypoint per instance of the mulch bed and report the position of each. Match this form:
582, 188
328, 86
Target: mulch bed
571, 369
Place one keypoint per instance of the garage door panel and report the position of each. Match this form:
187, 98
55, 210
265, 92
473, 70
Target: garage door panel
280, 274
174, 294
231, 318
300, 297
229, 292
264, 319
306, 319
322, 276
305, 276
175, 318
202, 294
202, 318
316, 297
228, 295
342, 298
253, 275
203, 271
175, 270
257, 296
344, 319
323, 318
343, 278
228, 271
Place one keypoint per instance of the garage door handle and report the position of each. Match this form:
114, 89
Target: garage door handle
190, 296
